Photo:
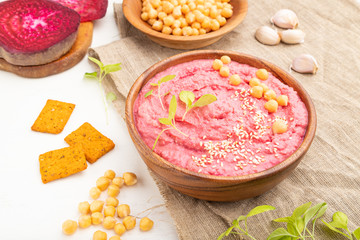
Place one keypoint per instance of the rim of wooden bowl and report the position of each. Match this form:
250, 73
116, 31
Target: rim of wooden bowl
212, 54
239, 13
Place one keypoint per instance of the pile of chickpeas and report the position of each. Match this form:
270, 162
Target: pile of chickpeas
258, 89
186, 17
96, 213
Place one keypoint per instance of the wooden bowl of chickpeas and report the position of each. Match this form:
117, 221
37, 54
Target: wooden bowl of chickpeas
221, 187
185, 24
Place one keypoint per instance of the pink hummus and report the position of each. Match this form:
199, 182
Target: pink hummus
229, 137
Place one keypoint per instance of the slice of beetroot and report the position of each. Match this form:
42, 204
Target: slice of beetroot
35, 32
88, 9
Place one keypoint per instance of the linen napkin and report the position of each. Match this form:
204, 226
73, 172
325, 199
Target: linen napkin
330, 171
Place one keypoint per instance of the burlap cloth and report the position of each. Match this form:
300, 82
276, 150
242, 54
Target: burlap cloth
330, 171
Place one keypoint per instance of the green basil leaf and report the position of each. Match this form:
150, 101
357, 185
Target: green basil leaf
311, 212
112, 68
260, 209
165, 121
100, 64
299, 224
166, 79
279, 234
299, 211
291, 228
333, 228
187, 97
357, 233
92, 75
340, 220
172, 107
148, 93
111, 96
284, 219
205, 100
241, 218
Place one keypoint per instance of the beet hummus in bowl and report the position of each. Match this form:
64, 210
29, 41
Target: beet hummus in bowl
219, 125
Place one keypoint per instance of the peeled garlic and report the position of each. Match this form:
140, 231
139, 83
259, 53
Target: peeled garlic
292, 36
285, 18
267, 35
305, 63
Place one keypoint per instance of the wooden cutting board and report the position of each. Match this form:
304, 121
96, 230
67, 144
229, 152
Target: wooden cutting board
70, 59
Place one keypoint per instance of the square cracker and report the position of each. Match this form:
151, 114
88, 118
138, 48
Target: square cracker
61, 163
53, 117
93, 143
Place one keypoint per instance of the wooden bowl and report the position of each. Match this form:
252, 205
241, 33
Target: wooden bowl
218, 188
132, 12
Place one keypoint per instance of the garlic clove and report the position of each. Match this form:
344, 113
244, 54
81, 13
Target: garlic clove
292, 36
305, 63
267, 35
285, 18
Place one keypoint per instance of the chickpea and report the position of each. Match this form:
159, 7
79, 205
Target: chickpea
110, 174
177, 31
111, 201
97, 218
119, 229
190, 18
235, 80
145, 16
214, 25
151, 21
84, 207
166, 30
270, 94
176, 24
226, 12
254, 82
109, 211
99, 235
167, 7
174, 2
217, 64
219, 5
123, 210
195, 32
183, 22
115, 237
177, 12
102, 183
69, 227
185, 9
221, 20
282, 100
206, 23
196, 25
130, 178
153, 13
271, 106
146, 224
192, 6
129, 222
169, 20
162, 15
224, 71
264, 87
109, 222
256, 91
199, 2
206, 12
262, 74
279, 126
96, 206
225, 59
158, 25
213, 12
113, 190
202, 31
155, 3
84, 221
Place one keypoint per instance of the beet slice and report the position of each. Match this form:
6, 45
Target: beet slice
88, 9
35, 32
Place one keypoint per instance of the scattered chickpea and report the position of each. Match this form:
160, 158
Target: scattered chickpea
123, 210
97, 218
84, 207
102, 183
264, 87
270, 94
254, 82
115, 237
235, 80
111, 201
256, 91
69, 227
279, 126
99, 235
109, 222
129, 178
118, 181
217, 64
129, 222
110, 174
146, 224
109, 211
262, 74
282, 100
225, 59
119, 229
84, 221
271, 106
113, 190
224, 71
96, 206
94, 192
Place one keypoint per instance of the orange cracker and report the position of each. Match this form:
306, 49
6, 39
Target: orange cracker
93, 143
53, 117
61, 163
